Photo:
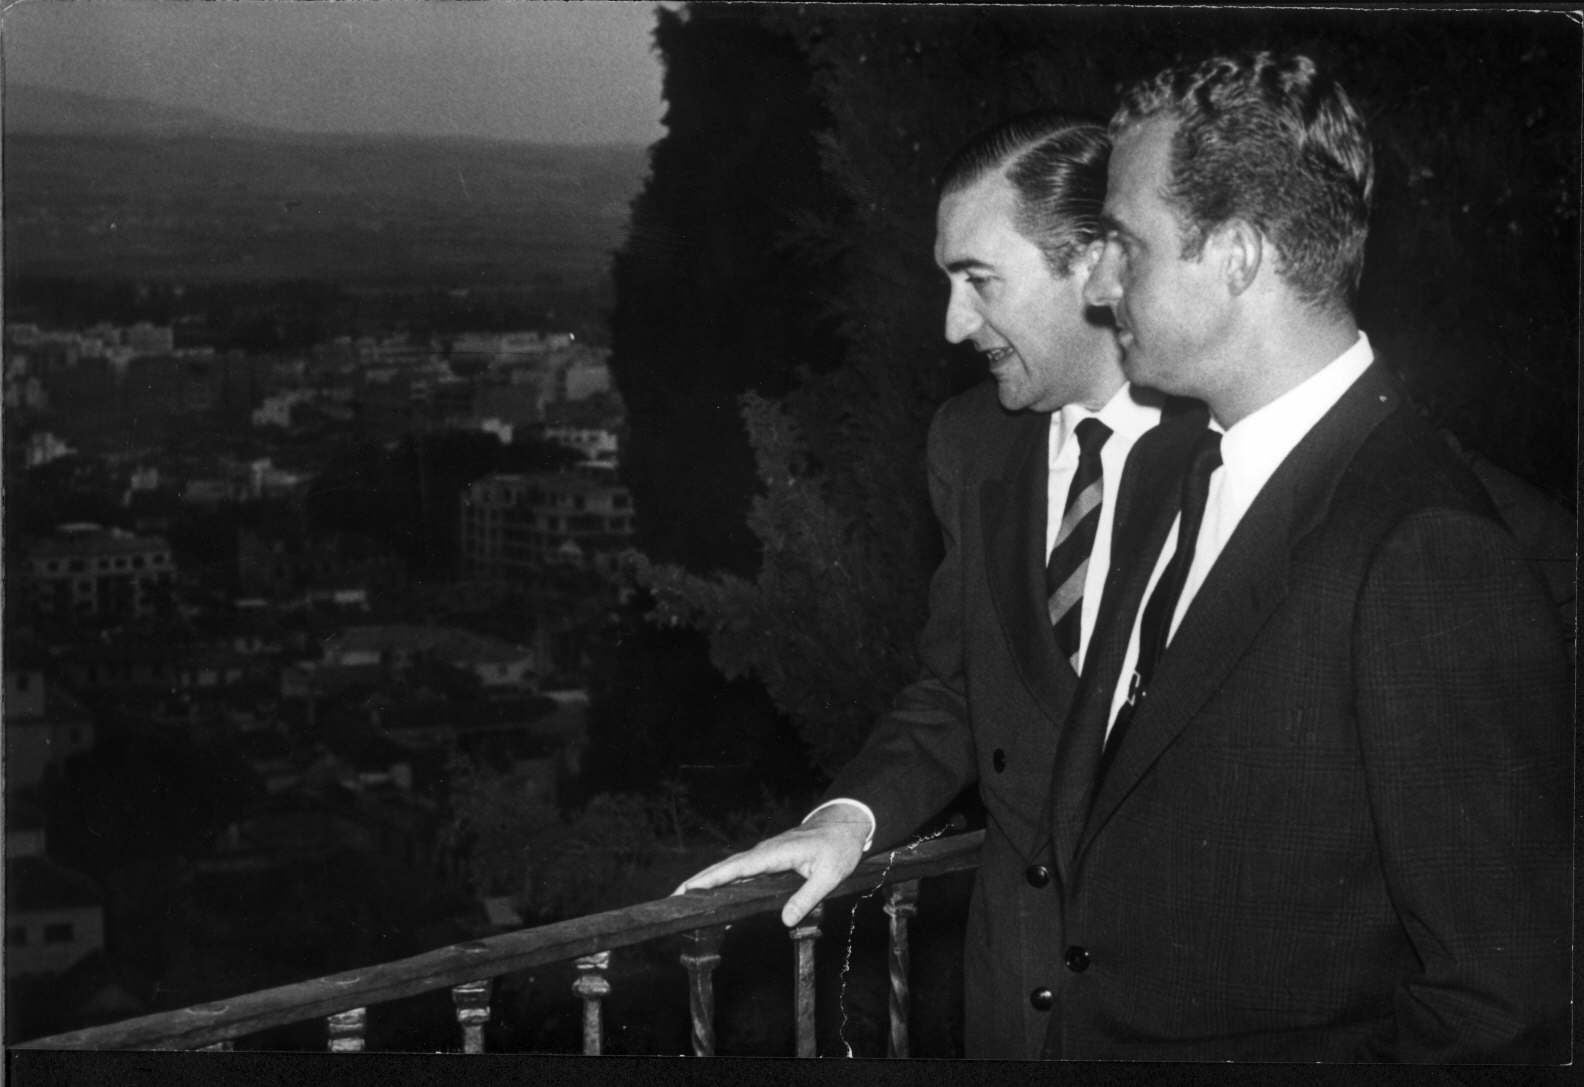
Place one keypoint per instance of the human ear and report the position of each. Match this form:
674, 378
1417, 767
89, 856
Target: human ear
1239, 248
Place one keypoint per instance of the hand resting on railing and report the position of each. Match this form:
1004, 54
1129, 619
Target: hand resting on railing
824, 850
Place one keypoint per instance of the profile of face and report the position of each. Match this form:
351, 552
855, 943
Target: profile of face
1166, 307
1027, 322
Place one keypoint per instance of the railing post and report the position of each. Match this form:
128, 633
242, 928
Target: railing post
803, 937
901, 904
472, 1000
346, 1030
592, 985
700, 955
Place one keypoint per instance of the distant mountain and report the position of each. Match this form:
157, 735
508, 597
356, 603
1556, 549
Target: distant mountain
29, 108
115, 190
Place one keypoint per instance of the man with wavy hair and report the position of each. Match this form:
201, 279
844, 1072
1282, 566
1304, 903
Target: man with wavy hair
1314, 799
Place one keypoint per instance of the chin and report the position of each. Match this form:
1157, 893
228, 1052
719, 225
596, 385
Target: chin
1011, 400
1136, 368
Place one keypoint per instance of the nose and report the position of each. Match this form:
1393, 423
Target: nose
1104, 288
962, 316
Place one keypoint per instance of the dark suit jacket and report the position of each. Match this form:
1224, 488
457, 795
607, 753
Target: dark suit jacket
1339, 826
988, 708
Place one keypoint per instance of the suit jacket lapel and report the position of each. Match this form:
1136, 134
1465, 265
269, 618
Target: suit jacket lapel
1245, 585
1013, 509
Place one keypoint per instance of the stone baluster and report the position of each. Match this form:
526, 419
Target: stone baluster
901, 904
700, 956
472, 1000
592, 986
803, 937
347, 1030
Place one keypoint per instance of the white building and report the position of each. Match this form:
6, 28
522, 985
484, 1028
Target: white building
597, 445
515, 524
582, 376
276, 410
496, 664
44, 447
84, 569
150, 339
54, 915
44, 726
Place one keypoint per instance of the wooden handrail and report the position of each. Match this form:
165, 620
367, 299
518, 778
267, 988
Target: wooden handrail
204, 1025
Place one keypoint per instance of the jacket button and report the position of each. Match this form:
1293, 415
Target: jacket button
1042, 999
1077, 959
1037, 875
998, 760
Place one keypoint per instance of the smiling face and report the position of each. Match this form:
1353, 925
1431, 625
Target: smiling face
1170, 312
1028, 323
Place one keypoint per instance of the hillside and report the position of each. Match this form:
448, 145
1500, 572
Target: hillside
94, 190
31, 108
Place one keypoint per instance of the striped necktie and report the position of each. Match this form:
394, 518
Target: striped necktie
1069, 557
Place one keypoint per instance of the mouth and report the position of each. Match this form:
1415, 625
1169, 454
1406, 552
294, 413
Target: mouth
996, 355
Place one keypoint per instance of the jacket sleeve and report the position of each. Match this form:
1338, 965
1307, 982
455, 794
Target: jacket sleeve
920, 754
1465, 736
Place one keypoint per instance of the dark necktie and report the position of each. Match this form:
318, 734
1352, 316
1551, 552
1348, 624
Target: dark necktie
1155, 627
1069, 558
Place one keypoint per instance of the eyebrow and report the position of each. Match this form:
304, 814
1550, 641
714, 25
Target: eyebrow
968, 264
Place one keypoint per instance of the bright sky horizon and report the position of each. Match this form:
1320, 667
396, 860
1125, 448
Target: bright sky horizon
542, 71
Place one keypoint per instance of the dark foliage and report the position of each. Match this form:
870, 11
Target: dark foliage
710, 301
660, 712
145, 796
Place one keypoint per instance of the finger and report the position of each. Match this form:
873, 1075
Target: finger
755, 862
806, 897
715, 875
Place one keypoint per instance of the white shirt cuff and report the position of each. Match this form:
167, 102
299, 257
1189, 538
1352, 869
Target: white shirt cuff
860, 805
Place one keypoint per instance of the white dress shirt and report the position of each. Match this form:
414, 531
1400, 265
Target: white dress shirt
1251, 451
1128, 414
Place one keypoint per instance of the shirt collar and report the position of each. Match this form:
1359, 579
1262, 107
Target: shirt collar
1260, 441
1130, 412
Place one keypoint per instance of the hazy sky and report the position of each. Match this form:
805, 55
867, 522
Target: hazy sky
564, 71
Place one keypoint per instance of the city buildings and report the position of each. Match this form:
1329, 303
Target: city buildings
518, 525
197, 617
44, 726
85, 570
55, 915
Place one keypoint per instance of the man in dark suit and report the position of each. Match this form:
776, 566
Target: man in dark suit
1023, 472
1313, 802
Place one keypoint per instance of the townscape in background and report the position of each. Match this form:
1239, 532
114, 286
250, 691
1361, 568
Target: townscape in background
184, 581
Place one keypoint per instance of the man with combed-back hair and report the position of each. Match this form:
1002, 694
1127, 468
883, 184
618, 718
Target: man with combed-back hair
1325, 725
1017, 232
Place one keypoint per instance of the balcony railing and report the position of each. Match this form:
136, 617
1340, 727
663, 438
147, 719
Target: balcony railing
469, 969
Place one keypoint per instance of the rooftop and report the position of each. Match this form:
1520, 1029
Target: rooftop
452, 642
80, 540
